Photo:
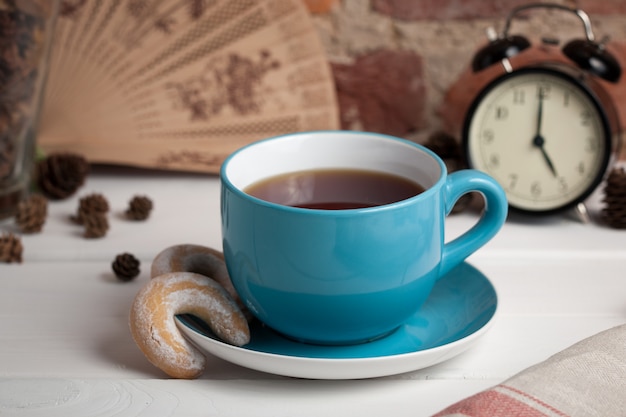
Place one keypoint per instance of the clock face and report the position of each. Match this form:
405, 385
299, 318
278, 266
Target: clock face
542, 136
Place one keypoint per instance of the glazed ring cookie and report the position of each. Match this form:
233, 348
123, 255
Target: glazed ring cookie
154, 329
194, 258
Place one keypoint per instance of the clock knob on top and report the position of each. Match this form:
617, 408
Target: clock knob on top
593, 57
585, 53
497, 50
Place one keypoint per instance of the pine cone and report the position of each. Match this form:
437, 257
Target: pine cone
92, 203
139, 208
614, 210
10, 248
96, 225
61, 175
125, 266
31, 213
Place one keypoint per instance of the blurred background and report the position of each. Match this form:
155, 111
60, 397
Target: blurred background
180, 84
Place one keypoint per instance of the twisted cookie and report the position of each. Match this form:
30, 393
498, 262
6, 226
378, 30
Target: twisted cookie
194, 258
171, 292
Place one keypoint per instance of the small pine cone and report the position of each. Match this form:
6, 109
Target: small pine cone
92, 203
139, 208
10, 248
61, 175
96, 225
614, 210
31, 213
125, 266
616, 183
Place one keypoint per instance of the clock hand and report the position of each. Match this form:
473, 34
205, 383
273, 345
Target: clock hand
539, 114
539, 142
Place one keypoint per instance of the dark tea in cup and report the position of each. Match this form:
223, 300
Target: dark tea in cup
335, 189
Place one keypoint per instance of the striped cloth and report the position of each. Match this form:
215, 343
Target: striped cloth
587, 379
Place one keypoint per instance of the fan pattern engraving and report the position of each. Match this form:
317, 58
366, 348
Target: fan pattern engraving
232, 80
265, 127
179, 84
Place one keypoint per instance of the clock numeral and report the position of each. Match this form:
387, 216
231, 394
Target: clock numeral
487, 136
535, 189
512, 181
586, 118
581, 168
566, 98
519, 96
562, 184
494, 160
591, 145
543, 91
501, 113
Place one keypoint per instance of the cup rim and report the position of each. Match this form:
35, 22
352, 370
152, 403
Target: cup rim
398, 204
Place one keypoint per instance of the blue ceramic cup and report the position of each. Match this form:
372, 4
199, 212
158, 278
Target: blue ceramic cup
353, 275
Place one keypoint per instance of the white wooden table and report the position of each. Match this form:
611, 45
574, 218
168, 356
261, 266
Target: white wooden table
66, 350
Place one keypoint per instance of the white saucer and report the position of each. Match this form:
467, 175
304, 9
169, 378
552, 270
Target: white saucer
459, 311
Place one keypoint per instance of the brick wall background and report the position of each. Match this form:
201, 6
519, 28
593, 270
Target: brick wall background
402, 66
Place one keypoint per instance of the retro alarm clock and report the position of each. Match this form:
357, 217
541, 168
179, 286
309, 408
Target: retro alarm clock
547, 131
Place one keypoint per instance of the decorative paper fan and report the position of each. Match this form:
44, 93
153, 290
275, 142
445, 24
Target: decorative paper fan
180, 84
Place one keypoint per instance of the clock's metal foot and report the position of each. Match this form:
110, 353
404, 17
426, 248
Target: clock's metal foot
580, 213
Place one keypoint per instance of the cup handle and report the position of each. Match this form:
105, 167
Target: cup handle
494, 215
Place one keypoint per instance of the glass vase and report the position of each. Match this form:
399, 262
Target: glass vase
26, 29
